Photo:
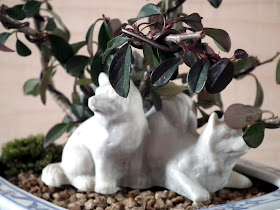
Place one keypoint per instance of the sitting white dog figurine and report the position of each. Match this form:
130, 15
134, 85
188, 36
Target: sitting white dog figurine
98, 153
117, 147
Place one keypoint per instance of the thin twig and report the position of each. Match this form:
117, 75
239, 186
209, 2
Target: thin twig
269, 60
179, 38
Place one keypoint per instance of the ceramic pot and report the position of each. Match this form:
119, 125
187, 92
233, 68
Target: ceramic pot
12, 197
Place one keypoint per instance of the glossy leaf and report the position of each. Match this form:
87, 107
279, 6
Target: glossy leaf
83, 81
4, 36
104, 36
61, 50
190, 59
16, 12
31, 8
115, 25
50, 25
260, 94
244, 65
75, 65
254, 135
240, 54
55, 132
239, 116
60, 22
5, 49
170, 89
146, 11
207, 100
197, 76
221, 38
45, 82
89, 37
32, 87
219, 76
149, 56
77, 46
194, 21
119, 71
164, 71
215, 3
81, 111
22, 49
97, 66
278, 72
113, 44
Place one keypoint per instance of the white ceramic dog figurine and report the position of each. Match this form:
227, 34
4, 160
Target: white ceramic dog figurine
192, 165
98, 153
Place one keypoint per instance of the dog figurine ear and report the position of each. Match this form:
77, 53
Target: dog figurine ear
213, 120
103, 79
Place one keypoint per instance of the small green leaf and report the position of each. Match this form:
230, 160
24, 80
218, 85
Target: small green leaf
146, 11
221, 38
50, 25
104, 36
59, 21
239, 116
219, 76
61, 50
215, 3
244, 65
115, 25
32, 87
75, 65
149, 56
198, 75
113, 44
55, 132
164, 71
4, 36
254, 135
278, 72
207, 100
22, 49
89, 38
31, 8
190, 59
259, 95
194, 21
81, 111
5, 49
77, 46
16, 12
170, 89
119, 71
45, 82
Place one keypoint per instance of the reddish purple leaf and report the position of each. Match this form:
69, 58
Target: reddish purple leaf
5, 49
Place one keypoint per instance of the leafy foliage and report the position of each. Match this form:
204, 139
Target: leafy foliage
161, 61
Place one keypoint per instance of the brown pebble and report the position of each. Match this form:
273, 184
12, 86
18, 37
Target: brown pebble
80, 202
64, 194
134, 193
99, 208
161, 194
159, 204
56, 196
92, 195
74, 208
169, 203
101, 205
73, 198
177, 199
80, 196
171, 195
119, 197
100, 199
117, 206
35, 189
90, 204
111, 200
249, 195
129, 202
150, 203
46, 196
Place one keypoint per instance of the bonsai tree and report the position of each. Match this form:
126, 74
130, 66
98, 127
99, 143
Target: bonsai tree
166, 39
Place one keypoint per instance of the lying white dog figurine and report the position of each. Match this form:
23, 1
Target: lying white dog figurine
116, 148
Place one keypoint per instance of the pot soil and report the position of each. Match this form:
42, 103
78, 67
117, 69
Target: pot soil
154, 198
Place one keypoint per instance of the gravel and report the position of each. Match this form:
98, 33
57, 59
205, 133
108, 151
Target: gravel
154, 198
